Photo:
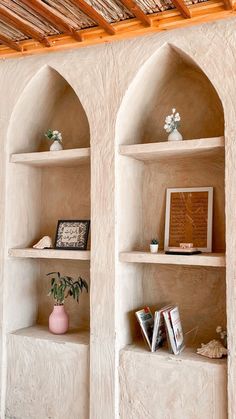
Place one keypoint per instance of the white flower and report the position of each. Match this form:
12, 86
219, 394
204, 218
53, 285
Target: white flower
172, 121
218, 329
55, 132
59, 136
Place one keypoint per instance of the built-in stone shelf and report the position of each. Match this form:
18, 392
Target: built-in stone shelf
50, 254
188, 355
79, 337
203, 259
70, 158
167, 149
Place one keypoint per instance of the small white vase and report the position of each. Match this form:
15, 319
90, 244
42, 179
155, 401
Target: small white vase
153, 248
56, 146
175, 135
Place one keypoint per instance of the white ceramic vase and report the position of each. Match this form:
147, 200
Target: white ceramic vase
56, 146
153, 248
175, 135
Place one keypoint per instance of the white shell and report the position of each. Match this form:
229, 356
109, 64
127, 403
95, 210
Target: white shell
213, 349
44, 243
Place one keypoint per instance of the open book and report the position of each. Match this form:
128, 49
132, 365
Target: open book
159, 329
145, 319
165, 324
174, 329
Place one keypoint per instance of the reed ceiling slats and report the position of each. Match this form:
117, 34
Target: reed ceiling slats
28, 26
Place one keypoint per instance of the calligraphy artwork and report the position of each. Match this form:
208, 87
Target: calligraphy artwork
72, 234
189, 217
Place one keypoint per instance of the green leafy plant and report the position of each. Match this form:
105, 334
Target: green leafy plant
53, 135
63, 287
154, 241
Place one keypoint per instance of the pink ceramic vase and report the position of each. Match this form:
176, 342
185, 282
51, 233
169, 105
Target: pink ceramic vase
58, 320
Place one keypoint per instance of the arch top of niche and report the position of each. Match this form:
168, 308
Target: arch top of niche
48, 101
170, 78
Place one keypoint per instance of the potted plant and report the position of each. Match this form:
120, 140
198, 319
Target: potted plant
172, 122
56, 138
154, 246
63, 287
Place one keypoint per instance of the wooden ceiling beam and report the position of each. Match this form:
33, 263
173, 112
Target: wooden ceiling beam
94, 15
54, 17
229, 4
183, 9
9, 43
22, 25
203, 12
137, 12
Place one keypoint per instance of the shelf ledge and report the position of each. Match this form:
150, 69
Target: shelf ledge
203, 259
188, 355
50, 254
69, 158
79, 337
166, 149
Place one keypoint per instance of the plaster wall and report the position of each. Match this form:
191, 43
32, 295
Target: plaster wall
173, 389
100, 77
56, 371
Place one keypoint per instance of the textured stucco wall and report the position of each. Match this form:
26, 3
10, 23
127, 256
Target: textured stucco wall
100, 76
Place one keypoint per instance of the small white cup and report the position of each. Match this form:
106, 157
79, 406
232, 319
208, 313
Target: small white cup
153, 248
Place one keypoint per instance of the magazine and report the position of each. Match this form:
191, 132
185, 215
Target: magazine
159, 330
174, 330
145, 319
177, 329
165, 324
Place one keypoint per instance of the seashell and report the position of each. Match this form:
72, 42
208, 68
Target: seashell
213, 349
44, 243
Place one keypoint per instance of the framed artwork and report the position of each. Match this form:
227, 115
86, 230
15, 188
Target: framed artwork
72, 234
189, 217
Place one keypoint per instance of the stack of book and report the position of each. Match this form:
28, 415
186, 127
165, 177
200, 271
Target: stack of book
164, 325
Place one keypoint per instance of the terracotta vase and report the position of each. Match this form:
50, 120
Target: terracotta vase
58, 320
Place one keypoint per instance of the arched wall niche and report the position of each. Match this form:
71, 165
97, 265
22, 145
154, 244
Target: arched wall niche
170, 78
48, 101
37, 197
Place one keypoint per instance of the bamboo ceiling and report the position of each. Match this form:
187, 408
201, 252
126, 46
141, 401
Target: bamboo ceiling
33, 26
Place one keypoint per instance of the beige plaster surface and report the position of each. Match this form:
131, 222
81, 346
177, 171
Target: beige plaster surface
175, 387
52, 377
100, 77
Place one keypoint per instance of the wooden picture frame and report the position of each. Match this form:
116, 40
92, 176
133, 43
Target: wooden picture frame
72, 234
188, 218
